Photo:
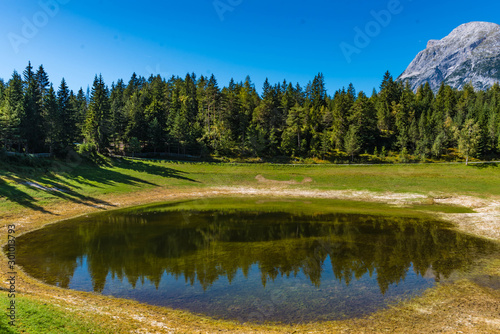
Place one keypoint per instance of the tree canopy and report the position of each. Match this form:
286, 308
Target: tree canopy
191, 114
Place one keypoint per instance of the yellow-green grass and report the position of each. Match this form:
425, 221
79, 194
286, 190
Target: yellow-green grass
34, 316
88, 183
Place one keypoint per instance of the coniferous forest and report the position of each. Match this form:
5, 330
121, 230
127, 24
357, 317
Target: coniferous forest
196, 116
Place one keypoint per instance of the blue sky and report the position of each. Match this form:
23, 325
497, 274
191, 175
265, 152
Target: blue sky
291, 40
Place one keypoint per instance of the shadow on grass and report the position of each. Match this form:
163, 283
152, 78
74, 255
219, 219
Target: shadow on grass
485, 165
17, 196
49, 186
153, 169
66, 181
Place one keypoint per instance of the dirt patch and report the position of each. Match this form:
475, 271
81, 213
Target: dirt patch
484, 222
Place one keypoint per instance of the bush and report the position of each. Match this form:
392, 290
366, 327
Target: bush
403, 156
87, 149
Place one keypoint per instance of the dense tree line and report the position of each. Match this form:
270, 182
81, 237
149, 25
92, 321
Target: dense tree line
190, 114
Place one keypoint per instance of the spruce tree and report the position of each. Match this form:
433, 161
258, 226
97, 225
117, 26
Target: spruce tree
31, 125
97, 119
53, 126
67, 115
11, 110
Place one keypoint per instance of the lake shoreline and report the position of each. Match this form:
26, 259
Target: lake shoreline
462, 301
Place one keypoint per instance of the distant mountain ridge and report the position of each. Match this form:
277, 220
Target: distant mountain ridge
469, 54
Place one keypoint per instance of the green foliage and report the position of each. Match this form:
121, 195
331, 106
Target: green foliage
87, 149
286, 121
134, 145
352, 142
383, 153
403, 156
468, 139
97, 127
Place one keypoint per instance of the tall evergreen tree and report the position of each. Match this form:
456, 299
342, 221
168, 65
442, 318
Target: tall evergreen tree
31, 125
52, 120
362, 116
67, 115
342, 104
117, 113
404, 113
11, 109
97, 119
80, 106
293, 141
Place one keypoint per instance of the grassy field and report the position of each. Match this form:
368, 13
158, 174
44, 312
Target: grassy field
47, 191
32, 188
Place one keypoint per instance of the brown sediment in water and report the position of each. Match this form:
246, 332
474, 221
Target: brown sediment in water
463, 306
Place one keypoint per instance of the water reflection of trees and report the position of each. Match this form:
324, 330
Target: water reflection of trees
206, 246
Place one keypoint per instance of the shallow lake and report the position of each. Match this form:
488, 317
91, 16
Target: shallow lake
252, 259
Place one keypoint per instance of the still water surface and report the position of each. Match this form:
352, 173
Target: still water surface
257, 263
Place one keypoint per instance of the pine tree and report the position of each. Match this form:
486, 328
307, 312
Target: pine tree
363, 115
342, 104
390, 92
404, 113
97, 118
135, 118
293, 137
67, 115
117, 113
31, 126
11, 112
249, 99
155, 132
80, 106
53, 126
42, 80
318, 92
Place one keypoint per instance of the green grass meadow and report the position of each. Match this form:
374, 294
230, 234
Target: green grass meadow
56, 181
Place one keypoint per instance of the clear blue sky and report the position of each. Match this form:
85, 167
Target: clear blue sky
280, 39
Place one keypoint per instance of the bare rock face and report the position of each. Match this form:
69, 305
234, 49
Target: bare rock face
469, 54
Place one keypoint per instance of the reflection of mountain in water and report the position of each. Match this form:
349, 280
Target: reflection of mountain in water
210, 245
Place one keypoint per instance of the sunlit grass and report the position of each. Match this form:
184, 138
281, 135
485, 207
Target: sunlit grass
33, 316
87, 182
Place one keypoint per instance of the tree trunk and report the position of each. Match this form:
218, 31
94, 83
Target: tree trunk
467, 160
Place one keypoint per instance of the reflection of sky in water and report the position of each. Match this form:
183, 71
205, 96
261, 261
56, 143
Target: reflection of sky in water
286, 299
163, 259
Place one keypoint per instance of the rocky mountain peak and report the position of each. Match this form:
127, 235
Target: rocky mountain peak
469, 54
